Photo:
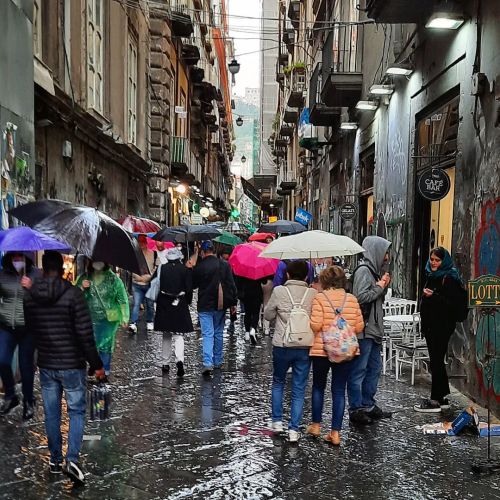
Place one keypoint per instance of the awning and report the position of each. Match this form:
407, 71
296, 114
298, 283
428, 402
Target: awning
43, 76
250, 191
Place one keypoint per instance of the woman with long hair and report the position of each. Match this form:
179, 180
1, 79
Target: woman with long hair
109, 308
442, 294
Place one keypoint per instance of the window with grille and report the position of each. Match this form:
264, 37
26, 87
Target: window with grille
37, 29
95, 54
132, 90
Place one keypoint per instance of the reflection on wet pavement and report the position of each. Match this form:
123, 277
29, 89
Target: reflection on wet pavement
210, 439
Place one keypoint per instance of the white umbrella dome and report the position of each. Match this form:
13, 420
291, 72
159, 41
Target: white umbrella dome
312, 245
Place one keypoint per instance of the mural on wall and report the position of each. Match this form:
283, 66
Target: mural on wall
487, 261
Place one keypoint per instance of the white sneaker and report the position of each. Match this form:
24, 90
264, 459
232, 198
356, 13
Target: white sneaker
132, 328
267, 332
293, 436
150, 327
247, 336
253, 336
278, 427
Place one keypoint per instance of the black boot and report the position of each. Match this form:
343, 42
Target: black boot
28, 410
360, 417
377, 413
8, 405
180, 369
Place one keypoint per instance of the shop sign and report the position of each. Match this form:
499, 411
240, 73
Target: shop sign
434, 184
273, 218
184, 220
484, 291
204, 212
348, 211
303, 216
196, 218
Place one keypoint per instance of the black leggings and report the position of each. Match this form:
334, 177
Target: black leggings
252, 313
437, 344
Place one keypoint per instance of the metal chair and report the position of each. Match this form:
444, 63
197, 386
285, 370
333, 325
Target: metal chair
392, 332
412, 349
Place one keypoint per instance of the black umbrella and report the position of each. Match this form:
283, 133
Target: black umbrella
184, 234
282, 226
87, 230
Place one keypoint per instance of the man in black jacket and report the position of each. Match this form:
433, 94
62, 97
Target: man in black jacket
213, 300
57, 314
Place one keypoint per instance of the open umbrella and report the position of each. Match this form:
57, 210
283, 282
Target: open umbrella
139, 224
228, 239
87, 230
25, 239
246, 261
282, 226
312, 245
183, 234
261, 236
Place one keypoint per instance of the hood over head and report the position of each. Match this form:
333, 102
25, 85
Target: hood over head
49, 290
375, 249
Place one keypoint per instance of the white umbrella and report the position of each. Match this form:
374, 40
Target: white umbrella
312, 245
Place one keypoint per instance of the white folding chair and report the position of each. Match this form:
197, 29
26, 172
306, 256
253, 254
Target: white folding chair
412, 349
392, 332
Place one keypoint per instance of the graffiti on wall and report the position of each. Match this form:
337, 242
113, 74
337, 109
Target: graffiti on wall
487, 261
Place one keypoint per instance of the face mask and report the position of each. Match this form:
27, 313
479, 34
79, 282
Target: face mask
18, 265
98, 266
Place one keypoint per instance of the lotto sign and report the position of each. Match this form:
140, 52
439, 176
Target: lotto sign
484, 291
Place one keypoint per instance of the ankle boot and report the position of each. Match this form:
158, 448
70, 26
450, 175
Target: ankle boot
314, 429
333, 437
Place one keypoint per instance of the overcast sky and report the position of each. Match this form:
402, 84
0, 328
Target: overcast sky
239, 28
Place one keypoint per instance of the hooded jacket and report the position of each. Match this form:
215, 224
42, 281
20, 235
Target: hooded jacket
365, 287
58, 316
12, 293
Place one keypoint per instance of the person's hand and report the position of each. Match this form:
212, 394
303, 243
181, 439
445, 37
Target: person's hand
100, 374
233, 309
382, 283
189, 264
85, 284
428, 292
387, 278
26, 282
124, 325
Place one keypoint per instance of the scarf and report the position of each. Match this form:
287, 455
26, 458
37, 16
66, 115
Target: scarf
447, 268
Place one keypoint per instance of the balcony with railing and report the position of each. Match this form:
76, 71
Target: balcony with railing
297, 88
180, 14
179, 156
319, 113
293, 12
288, 35
190, 52
286, 178
342, 66
399, 11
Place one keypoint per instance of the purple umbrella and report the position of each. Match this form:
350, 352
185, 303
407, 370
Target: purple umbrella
25, 239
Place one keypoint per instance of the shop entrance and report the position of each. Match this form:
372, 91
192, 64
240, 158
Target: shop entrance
436, 148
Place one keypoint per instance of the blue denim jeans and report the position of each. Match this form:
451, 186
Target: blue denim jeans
139, 294
73, 383
363, 381
212, 331
106, 361
340, 373
298, 359
22, 339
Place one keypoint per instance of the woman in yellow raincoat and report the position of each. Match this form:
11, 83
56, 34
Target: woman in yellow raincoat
109, 308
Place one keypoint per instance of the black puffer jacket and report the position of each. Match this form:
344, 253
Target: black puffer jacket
59, 318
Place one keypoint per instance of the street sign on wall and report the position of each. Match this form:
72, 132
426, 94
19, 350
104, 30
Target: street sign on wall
484, 291
273, 218
303, 216
348, 211
434, 184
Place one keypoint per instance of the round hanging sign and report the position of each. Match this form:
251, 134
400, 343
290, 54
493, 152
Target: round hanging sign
348, 211
204, 212
434, 184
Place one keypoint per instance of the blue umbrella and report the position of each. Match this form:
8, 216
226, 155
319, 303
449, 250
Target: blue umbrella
25, 239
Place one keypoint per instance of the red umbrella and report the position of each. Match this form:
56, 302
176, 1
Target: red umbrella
139, 224
261, 236
247, 263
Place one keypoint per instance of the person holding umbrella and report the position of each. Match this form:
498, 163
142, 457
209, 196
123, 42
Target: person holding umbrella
16, 276
251, 295
172, 308
108, 303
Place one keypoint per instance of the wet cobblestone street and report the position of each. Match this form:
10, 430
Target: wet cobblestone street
210, 439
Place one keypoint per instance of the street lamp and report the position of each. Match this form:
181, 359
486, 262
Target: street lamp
239, 121
234, 67
243, 159
181, 188
447, 15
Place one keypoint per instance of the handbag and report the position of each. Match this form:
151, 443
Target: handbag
99, 401
112, 315
154, 286
339, 339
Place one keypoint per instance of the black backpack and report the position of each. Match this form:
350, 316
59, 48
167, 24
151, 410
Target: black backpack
366, 308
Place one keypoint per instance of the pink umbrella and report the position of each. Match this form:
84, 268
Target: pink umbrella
247, 263
152, 245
